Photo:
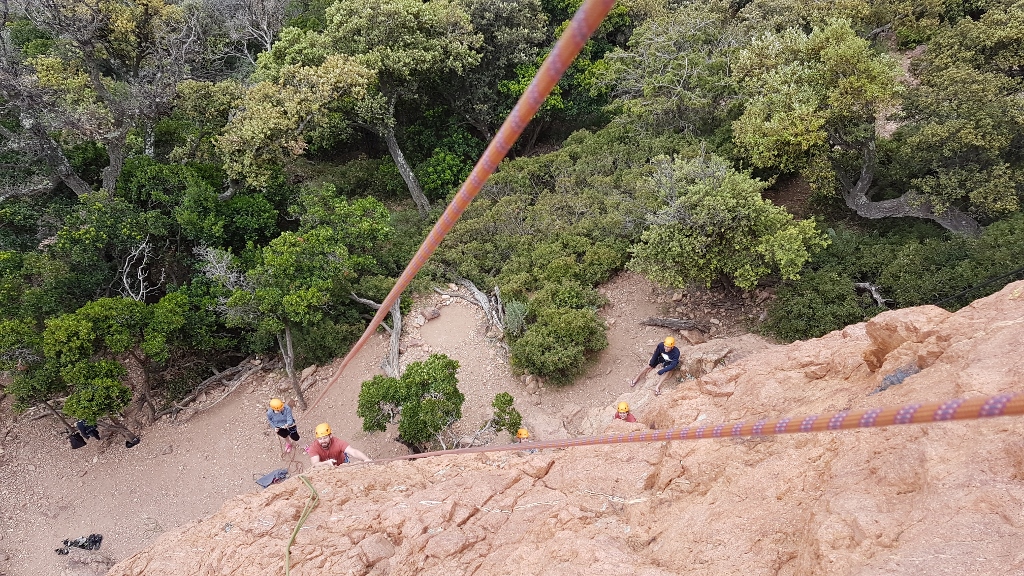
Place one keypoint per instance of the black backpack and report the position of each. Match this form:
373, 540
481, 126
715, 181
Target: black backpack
77, 441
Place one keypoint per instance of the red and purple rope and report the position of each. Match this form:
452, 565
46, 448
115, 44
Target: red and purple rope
1010, 404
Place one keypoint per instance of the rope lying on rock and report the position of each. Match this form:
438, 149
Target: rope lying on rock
311, 504
583, 24
1010, 404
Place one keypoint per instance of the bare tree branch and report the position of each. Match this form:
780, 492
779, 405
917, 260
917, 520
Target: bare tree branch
390, 364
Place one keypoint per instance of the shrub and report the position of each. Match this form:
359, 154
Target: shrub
426, 400
565, 294
506, 417
555, 347
716, 224
98, 398
922, 272
326, 340
814, 305
515, 318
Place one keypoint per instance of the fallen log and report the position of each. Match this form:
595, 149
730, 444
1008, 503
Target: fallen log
674, 323
184, 402
875, 291
492, 306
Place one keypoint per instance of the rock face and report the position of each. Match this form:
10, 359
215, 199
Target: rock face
942, 499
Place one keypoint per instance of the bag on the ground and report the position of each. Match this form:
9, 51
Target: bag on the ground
90, 542
77, 441
274, 477
132, 443
87, 430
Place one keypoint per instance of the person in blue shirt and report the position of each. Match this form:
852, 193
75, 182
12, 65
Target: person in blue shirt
280, 418
666, 355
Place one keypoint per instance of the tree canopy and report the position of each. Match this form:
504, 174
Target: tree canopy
183, 185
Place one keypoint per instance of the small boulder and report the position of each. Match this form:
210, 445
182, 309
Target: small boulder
431, 313
308, 371
694, 337
87, 563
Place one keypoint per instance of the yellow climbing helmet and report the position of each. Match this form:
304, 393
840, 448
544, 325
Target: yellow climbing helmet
522, 433
670, 342
323, 430
276, 404
623, 407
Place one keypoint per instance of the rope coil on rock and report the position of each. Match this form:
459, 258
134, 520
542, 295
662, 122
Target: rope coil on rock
582, 25
1010, 404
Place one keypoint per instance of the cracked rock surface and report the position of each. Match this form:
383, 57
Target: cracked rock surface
943, 499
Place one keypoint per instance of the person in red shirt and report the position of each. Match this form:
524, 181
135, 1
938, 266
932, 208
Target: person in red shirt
624, 414
330, 450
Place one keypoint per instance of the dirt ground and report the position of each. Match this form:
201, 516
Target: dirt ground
186, 469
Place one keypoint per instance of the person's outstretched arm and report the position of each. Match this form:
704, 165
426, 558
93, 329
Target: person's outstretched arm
357, 454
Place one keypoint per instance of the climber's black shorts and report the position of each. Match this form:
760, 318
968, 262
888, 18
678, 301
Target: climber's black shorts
289, 431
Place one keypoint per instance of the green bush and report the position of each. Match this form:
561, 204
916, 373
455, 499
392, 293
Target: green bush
506, 417
323, 342
718, 225
814, 305
515, 318
565, 294
556, 346
426, 400
998, 251
923, 272
442, 173
96, 399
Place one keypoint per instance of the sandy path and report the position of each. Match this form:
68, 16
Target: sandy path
184, 471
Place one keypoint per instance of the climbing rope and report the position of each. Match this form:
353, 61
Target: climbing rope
311, 504
583, 24
1011, 404
976, 286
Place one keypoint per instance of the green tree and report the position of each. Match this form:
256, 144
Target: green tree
962, 123
297, 277
676, 70
812, 102
293, 91
513, 33
404, 43
303, 278
426, 401
717, 225
111, 68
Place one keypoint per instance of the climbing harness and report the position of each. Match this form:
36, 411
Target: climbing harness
583, 24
